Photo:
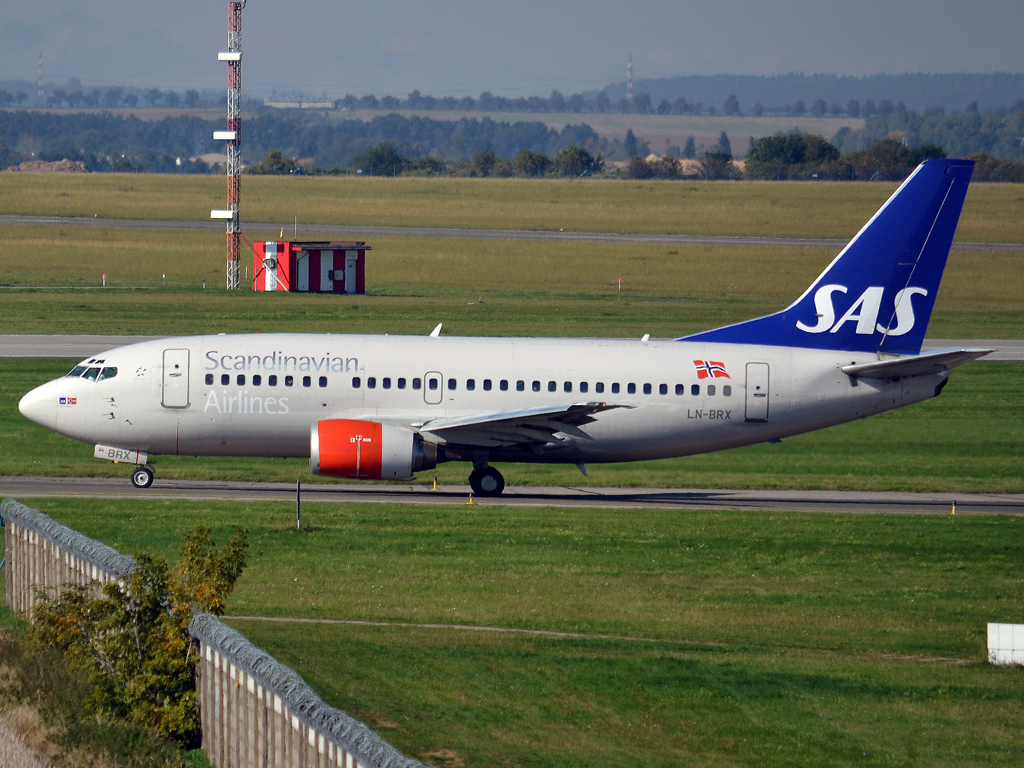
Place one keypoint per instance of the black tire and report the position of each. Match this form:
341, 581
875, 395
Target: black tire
142, 477
487, 482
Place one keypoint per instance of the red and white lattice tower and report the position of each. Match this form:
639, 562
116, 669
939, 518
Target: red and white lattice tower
233, 137
41, 79
629, 83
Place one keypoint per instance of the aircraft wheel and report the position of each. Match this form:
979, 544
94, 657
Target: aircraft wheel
487, 482
142, 477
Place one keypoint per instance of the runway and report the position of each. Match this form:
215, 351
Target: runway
343, 230
862, 502
81, 347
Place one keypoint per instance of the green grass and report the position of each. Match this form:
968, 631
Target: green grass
970, 439
773, 638
992, 213
529, 289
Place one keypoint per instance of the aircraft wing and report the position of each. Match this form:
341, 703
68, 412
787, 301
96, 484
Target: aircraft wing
523, 426
936, 361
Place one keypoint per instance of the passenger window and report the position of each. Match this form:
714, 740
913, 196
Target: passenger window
695, 389
433, 383
536, 386
726, 391
78, 370
615, 388
225, 379
503, 385
663, 389
711, 390
356, 382
584, 386
386, 382
272, 380
371, 382
209, 378
401, 383
323, 381
552, 386
680, 389
451, 383
306, 381
288, 381
567, 386
240, 380
631, 389
487, 385
520, 386
92, 373
470, 384
647, 389
416, 384
257, 380
599, 387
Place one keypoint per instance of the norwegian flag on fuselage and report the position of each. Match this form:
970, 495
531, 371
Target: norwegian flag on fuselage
709, 369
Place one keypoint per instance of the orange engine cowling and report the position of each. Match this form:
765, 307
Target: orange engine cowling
367, 450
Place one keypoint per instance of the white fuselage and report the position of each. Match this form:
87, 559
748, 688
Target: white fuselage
221, 400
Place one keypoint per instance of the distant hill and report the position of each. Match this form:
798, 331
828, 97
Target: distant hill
918, 91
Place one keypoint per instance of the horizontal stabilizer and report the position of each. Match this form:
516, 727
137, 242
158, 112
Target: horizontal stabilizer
936, 361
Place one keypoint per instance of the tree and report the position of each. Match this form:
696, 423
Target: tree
382, 159
368, 102
853, 108
664, 108
191, 98
732, 105
6, 98
528, 163
133, 639
273, 164
576, 161
92, 98
680, 107
152, 96
639, 168
602, 103
577, 103
630, 144
670, 167
390, 102
131, 100
113, 97
798, 109
75, 98
690, 148
172, 99
20, 97
818, 108
716, 165
556, 102
885, 107
483, 161
723, 145
642, 104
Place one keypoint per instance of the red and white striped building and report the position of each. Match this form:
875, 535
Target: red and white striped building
310, 267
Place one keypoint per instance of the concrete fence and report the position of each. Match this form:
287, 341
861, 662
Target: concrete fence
255, 712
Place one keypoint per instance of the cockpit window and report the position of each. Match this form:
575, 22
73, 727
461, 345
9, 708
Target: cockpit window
77, 371
91, 374
107, 373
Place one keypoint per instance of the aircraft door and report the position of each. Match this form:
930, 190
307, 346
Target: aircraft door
757, 391
175, 378
433, 388
351, 266
302, 267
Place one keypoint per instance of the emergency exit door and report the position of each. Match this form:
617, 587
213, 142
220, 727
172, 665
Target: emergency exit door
175, 381
433, 388
757, 391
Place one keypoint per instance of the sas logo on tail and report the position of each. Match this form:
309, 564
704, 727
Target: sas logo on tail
709, 369
864, 311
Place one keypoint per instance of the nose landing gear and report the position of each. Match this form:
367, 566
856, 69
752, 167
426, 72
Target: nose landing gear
486, 481
142, 476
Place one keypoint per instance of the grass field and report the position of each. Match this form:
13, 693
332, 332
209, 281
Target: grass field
530, 289
764, 638
971, 439
992, 212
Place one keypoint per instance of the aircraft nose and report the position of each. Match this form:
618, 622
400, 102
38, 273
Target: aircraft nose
39, 406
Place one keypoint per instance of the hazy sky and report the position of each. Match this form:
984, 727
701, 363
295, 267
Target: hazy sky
513, 48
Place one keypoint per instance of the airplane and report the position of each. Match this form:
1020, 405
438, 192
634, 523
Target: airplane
386, 407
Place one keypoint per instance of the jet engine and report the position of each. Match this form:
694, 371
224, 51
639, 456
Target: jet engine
366, 450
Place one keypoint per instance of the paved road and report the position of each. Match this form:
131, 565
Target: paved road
472, 234
624, 498
81, 347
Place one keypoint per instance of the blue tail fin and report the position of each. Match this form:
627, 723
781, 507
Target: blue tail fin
878, 293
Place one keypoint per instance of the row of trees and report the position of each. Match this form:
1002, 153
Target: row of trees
115, 97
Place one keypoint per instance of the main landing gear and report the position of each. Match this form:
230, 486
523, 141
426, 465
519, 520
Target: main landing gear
486, 481
142, 476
